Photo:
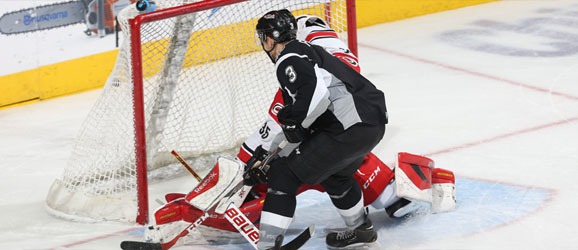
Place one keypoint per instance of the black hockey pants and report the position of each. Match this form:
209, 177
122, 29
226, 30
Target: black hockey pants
326, 159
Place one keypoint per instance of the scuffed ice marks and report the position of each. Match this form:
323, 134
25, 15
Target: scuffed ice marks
551, 32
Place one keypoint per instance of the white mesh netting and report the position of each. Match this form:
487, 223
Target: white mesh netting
207, 86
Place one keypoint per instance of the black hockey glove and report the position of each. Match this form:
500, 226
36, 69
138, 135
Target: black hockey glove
254, 176
294, 132
254, 173
258, 156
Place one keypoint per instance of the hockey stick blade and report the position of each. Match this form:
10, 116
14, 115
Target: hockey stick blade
136, 245
300, 240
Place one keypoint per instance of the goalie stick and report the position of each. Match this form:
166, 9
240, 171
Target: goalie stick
212, 206
138, 245
294, 244
248, 231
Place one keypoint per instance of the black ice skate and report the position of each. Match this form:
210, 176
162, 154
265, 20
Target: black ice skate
359, 236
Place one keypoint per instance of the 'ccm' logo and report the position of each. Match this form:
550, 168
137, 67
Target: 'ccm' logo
371, 178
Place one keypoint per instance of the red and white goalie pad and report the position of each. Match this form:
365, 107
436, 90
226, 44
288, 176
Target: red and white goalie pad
217, 190
225, 177
434, 189
373, 176
443, 190
413, 178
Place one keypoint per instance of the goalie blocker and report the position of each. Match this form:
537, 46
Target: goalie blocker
413, 186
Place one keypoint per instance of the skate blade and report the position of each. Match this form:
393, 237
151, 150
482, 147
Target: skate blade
364, 245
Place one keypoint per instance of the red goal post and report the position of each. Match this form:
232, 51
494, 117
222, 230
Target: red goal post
195, 80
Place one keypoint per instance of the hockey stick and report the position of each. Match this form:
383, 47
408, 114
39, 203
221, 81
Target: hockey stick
180, 159
248, 230
134, 245
137, 245
256, 170
242, 224
265, 165
296, 243
186, 165
232, 214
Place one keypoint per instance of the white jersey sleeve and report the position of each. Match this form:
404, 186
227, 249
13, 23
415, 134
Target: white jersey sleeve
315, 30
268, 136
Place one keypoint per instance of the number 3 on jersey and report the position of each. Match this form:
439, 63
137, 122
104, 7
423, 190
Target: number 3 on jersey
290, 72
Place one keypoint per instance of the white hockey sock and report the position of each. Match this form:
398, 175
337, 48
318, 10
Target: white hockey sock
354, 216
271, 226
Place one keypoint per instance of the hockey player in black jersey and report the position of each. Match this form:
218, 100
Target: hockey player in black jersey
337, 116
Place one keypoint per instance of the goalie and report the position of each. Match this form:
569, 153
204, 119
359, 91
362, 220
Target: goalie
410, 188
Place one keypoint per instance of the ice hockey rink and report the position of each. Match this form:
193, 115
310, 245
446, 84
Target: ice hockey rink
489, 92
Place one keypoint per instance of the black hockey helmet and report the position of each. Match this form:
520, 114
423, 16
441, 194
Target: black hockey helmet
277, 24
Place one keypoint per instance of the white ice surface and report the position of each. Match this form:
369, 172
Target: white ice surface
496, 104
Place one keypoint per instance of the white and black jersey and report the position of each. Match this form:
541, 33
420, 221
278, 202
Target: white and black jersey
316, 31
323, 93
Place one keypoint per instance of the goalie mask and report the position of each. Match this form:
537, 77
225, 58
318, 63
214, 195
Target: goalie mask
304, 21
314, 26
280, 25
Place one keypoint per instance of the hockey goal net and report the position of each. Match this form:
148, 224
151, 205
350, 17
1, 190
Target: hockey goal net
189, 77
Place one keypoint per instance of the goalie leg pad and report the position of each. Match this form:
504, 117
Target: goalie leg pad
236, 198
373, 176
443, 190
413, 178
386, 198
177, 210
170, 212
164, 233
173, 196
171, 219
225, 177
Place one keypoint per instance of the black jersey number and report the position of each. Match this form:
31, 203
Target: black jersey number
264, 131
